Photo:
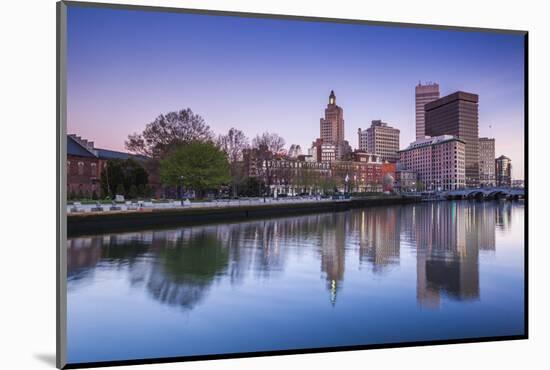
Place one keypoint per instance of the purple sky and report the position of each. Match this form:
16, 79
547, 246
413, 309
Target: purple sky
125, 67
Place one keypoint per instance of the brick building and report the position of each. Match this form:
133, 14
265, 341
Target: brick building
323, 151
284, 175
83, 167
85, 163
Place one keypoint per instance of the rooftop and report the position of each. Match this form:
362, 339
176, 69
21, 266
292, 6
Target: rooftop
80, 147
459, 95
435, 140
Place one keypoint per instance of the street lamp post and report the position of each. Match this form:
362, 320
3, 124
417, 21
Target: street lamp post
346, 185
181, 190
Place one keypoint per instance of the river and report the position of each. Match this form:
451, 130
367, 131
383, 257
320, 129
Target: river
427, 271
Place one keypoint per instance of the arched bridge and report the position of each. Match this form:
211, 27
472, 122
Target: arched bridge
487, 193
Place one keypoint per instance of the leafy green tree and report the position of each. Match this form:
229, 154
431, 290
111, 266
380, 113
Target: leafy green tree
94, 195
120, 190
197, 165
310, 180
252, 188
141, 191
168, 131
148, 192
238, 177
133, 192
80, 194
328, 185
123, 173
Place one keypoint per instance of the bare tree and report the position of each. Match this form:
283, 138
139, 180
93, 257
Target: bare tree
167, 131
269, 141
233, 144
264, 147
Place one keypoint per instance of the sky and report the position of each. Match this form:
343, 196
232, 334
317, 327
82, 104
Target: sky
126, 67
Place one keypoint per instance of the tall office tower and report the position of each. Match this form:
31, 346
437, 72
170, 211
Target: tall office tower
423, 95
487, 162
362, 139
332, 126
383, 140
457, 114
503, 166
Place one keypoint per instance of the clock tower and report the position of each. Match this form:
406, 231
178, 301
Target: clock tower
332, 98
332, 125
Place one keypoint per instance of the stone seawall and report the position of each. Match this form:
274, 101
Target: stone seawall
94, 223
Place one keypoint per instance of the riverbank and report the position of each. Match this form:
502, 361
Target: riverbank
100, 222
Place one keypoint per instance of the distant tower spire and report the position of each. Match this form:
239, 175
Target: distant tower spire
333, 290
332, 98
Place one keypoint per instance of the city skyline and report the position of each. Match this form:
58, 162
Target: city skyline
270, 75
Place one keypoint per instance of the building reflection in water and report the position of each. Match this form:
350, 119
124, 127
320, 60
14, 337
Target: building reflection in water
332, 242
448, 237
378, 233
503, 215
178, 267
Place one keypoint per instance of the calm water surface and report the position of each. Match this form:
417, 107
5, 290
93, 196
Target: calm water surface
379, 275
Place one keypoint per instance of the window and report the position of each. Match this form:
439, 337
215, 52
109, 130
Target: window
94, 169
81, 168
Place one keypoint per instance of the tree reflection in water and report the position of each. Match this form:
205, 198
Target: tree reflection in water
179, 266
182, 274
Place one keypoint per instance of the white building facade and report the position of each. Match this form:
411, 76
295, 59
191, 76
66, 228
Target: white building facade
439, 162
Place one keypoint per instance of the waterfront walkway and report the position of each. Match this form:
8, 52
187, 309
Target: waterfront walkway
128, 206
173, 213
